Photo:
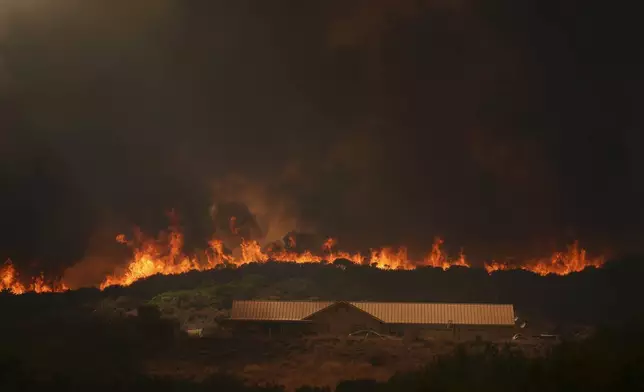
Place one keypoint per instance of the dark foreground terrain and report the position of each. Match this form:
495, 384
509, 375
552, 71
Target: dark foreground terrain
89, 340
612, 360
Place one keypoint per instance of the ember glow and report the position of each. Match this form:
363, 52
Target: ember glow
165, 255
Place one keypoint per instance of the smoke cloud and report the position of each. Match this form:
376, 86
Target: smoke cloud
378, 122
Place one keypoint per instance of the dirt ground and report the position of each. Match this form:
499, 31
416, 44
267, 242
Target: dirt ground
319, 361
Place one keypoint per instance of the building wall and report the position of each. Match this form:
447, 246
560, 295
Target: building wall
437, 332
268, 329
342, 319
458, 332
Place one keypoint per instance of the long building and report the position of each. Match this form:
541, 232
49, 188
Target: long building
416, 320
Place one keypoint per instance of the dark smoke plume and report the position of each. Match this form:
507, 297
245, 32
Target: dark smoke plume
506, 127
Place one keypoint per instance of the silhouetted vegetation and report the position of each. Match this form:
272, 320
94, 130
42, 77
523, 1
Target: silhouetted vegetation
593, 296
84, 339
612, 360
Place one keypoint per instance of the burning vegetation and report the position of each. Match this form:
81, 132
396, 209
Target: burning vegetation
560, 263
9, 280
165, 255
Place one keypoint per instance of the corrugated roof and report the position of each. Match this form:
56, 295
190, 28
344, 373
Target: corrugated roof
275, 310
388, 312
439, 313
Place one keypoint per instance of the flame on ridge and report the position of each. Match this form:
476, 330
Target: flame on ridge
164, 255
560, 263
9, 281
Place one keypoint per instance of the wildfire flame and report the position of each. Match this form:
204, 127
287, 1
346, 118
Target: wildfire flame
164, 255
438, 259
560, 263
9, 281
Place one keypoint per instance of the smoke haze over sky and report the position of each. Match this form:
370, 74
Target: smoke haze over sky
506, 127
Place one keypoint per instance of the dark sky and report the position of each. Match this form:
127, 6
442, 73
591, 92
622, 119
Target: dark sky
507, 127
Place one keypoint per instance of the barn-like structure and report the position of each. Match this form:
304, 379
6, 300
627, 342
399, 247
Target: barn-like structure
416, 320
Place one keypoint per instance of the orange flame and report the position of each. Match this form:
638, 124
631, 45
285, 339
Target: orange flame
438, 259
151, 257
252, 251
9, 281
560, 263
388, 258
164, 255
329, 244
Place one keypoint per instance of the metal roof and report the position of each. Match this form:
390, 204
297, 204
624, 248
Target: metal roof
388, 312
439, 313
275, 310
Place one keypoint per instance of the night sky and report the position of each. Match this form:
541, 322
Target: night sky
506, 127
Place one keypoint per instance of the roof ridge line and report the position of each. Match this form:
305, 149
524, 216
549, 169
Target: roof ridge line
373, 302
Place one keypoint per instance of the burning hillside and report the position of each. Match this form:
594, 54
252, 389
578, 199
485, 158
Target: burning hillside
560, 263
9, 281
165, 255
